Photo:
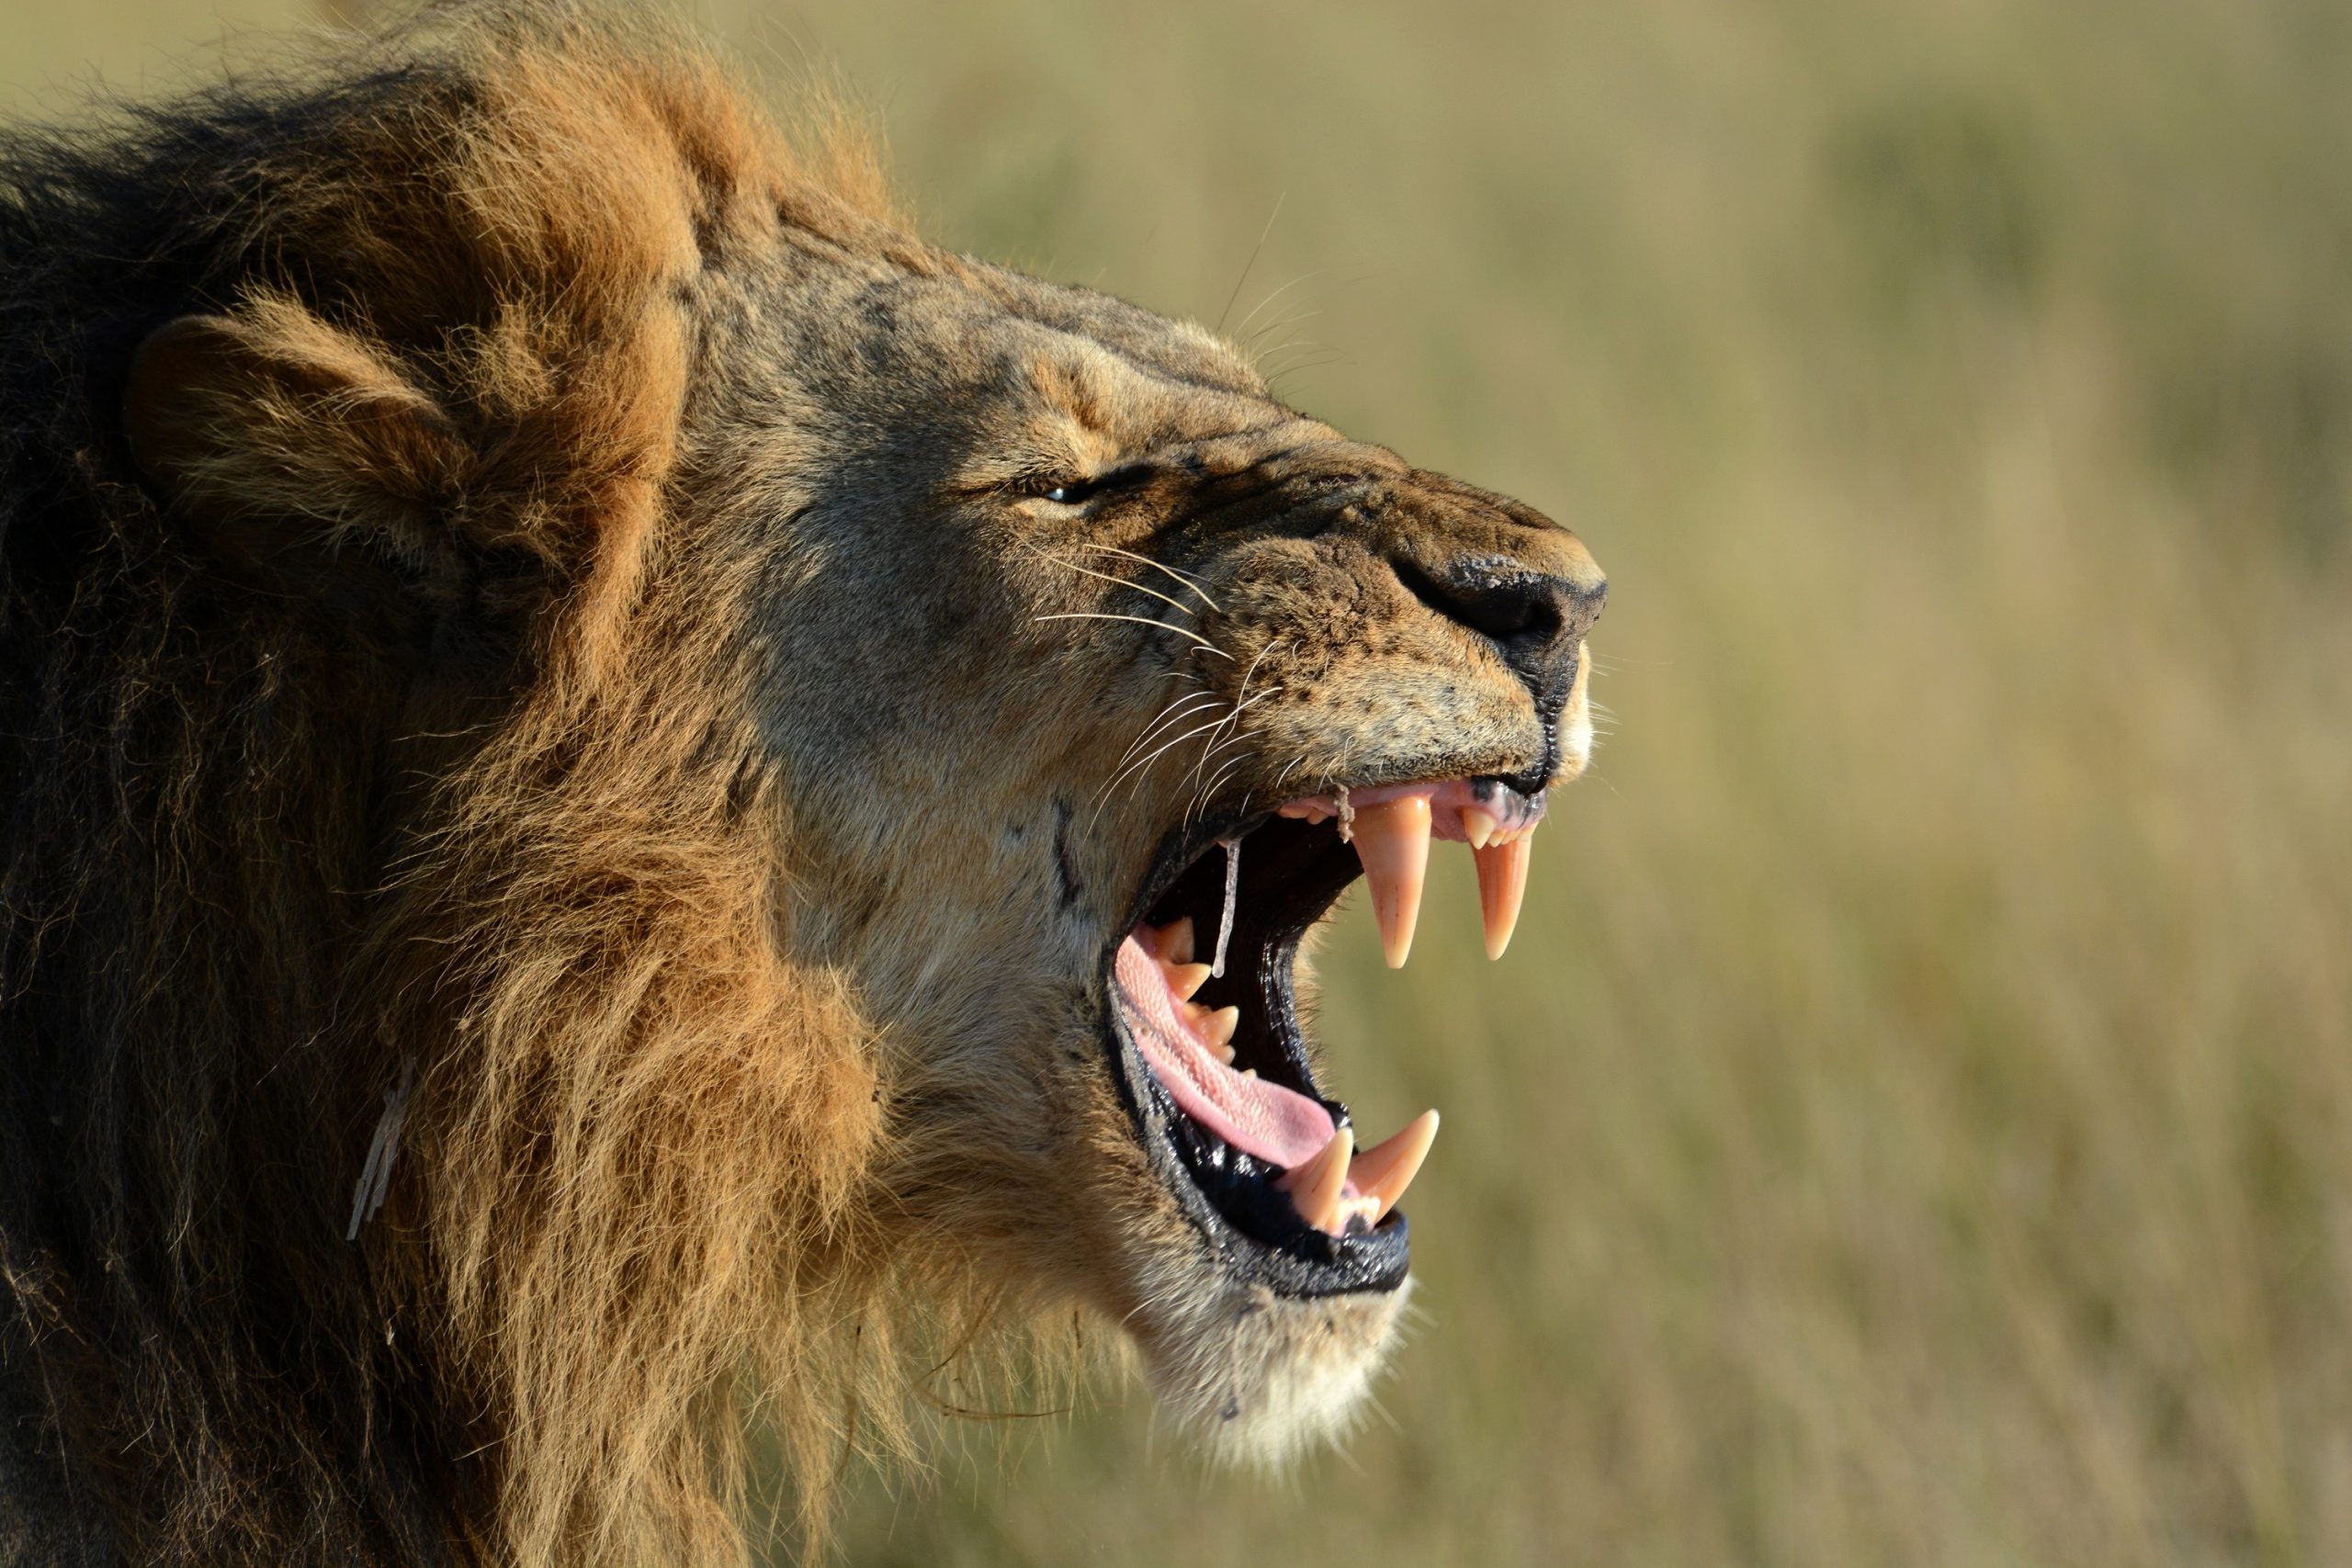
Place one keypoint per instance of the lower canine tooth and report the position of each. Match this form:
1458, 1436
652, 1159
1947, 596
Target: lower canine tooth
1502, 883
1392, 838
1383, 1172
1316, 1186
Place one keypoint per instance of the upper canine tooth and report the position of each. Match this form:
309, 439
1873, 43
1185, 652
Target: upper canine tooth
1392, 838
1383, 1172
1185, 978
1478, 825
1502, 882
1315, 1187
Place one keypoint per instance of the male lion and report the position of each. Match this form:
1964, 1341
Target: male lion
621, 781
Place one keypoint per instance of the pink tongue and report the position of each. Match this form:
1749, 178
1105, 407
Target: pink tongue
1277, 1125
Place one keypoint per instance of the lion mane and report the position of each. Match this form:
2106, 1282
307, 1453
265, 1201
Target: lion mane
601, 830
454, 260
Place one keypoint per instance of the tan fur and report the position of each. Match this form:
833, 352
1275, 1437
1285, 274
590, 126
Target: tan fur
558, 571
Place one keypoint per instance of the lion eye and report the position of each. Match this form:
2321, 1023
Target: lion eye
1069, 493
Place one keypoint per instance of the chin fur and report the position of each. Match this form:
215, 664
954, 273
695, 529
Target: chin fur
1261, 1379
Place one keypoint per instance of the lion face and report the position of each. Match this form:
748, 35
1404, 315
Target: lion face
1096, 675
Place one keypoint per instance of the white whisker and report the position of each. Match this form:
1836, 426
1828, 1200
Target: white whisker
1186, 578
1305, 277
1139, 620
1208, 792
1177, 604
1219, 744
1136, 768
1189, 703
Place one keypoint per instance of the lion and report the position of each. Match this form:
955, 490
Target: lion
632, 795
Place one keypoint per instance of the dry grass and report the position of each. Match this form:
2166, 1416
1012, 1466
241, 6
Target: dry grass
1914, 1125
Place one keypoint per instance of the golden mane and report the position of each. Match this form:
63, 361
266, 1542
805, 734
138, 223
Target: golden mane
584, 803
644, 1133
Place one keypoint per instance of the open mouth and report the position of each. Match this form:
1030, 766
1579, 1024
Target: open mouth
1206, 1030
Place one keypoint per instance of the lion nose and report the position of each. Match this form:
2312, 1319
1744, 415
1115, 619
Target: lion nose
1535, 620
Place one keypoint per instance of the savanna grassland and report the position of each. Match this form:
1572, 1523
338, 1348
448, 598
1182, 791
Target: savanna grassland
1913, 1123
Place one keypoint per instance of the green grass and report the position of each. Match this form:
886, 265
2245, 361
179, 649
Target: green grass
1914, 1125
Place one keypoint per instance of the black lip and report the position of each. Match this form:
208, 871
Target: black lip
1224, 1193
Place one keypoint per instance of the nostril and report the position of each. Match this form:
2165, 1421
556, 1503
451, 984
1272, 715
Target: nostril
1525, 614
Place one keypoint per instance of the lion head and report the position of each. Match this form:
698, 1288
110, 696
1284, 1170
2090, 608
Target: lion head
624, 779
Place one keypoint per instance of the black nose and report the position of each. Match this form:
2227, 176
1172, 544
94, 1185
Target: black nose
1536, 622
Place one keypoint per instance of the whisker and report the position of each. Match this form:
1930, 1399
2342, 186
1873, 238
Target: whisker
1270, 299
1261, 659
1279, 323
1139, 620
1208, 790
1234, 739
1177, 604
1244, 707
1209, 751
1134, 768
1243, 701
1189, 703
1261, 245
1186, 578
1210, 747
1144, 761
1314, 361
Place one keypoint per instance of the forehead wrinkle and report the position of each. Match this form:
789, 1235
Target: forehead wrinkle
1068, 378
1136, 406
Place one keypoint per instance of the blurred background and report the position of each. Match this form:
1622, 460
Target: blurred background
1914, 1124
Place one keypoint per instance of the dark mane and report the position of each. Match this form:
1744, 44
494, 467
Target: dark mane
188, 1312
241, 841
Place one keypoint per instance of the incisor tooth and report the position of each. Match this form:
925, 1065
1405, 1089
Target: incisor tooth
1315, 1187
1176, 940
1392, 838
1478, 825
1186, 978
1383, 1172
1502, 882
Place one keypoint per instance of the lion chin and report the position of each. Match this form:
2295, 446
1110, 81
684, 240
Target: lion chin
1260, 1377
633, 797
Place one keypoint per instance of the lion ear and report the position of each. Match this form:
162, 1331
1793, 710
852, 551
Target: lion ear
298, 450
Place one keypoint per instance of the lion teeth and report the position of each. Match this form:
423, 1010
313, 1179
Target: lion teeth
1174, 940
1215, 1027
1392, 838
1502, 883
1318, 1187
1382, 1173
1185, 979
1478, 826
